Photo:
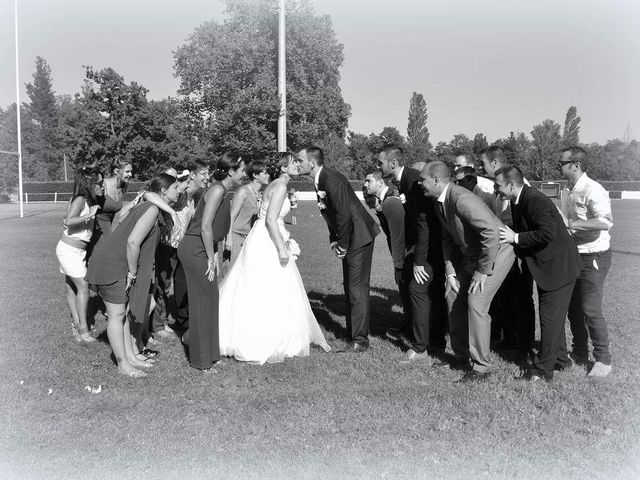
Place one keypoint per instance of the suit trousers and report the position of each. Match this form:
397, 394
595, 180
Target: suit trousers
553, 306
438, 315
416, 303
469, 319
585, 310
203, 334
356, 276
166, 262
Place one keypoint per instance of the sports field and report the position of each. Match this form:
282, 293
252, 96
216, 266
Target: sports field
325, 416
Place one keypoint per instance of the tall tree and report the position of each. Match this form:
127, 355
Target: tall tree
418, 144
41, 134
571, 132
228, 74
479, 143
546, 142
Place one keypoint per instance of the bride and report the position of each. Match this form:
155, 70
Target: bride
265, 314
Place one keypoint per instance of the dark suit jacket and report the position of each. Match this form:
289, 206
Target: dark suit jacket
422, 228
348, 220
543, 240
471, 231
392, 221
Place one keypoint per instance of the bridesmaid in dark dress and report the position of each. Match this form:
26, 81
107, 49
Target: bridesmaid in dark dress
123, 259
198, 252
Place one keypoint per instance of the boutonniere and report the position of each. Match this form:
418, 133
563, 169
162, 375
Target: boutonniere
321, 196
403, 198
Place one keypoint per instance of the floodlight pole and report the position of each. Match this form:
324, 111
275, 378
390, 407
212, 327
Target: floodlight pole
282, 80
18, 114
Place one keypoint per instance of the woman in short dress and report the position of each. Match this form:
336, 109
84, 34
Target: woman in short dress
199, 254
72, 247
126, 257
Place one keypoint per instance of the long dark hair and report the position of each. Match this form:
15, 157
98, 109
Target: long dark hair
228, 161
86, 178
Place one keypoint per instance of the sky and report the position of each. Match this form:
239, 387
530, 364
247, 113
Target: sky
490, 66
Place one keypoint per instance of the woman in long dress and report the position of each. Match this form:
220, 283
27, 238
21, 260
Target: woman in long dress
265, 315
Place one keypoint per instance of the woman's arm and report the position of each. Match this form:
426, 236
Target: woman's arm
278, 194
140, 231
212, 200
238, 200
73, 217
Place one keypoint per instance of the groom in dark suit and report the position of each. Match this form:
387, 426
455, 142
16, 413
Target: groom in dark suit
541, 239
352, 232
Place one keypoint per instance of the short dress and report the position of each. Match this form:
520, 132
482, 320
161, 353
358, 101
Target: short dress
72, 247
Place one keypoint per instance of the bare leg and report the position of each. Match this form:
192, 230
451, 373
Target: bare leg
131, 348
82, 300
71, 301
118, 338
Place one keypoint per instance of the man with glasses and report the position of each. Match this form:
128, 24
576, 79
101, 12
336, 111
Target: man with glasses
587, 207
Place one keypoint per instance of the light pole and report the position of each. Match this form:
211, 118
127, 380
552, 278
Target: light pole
18, 115
282, 80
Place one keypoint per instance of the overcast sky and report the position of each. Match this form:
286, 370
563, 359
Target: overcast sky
487, 66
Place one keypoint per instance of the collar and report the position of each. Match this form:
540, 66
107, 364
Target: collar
583, 179
519, 195
317, 177
443, 195
384, 192
398, 175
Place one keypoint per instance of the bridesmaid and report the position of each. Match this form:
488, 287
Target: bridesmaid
198, 252
245, 207
126, 257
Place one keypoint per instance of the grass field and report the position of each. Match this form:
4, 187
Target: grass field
325, 416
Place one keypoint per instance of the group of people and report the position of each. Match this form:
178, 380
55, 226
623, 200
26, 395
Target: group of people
487, 240
465, 252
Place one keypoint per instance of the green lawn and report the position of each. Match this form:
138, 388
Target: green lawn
325, 416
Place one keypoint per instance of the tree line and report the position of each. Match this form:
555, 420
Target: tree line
228, 100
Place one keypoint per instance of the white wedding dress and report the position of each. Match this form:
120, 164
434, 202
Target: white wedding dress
265, 314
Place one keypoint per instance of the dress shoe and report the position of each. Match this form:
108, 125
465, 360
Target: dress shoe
579, 360
412, 356
535, 376
454, 363
473, 376
354, 347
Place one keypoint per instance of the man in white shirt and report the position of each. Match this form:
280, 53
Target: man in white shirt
587, 207
484, 184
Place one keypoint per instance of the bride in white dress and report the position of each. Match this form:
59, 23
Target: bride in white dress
265, 314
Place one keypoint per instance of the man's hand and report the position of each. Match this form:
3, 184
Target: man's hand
507, 235
420, 274
477, 282
453, 283
338, 251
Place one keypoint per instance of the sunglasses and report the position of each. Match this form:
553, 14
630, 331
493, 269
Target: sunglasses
562, 164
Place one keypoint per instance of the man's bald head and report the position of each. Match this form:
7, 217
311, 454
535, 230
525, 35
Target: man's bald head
435, 178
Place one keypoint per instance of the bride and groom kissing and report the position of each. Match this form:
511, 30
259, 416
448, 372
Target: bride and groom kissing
264, 311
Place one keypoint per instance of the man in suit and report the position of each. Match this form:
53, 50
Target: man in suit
513, 313
352, 232
423, 238
475, 263
414, 295
540, 237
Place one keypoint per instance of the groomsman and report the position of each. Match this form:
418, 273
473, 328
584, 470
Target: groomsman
541, 239
513, 312
352, 232
423, 237
475, 262
588, 210
414, 295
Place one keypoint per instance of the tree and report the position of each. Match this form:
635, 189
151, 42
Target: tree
570, 135
41, 134
545, 149
228, 74
479, 143
418, 145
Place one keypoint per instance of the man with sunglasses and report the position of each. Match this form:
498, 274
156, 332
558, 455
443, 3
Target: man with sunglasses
587, 207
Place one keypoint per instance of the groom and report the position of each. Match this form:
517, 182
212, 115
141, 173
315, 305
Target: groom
352, 232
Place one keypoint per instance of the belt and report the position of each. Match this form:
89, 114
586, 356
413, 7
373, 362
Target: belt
74, 242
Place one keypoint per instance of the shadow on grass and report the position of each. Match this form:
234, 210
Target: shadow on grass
383, 316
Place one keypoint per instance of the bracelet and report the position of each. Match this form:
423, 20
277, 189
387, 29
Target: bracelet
131, 277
